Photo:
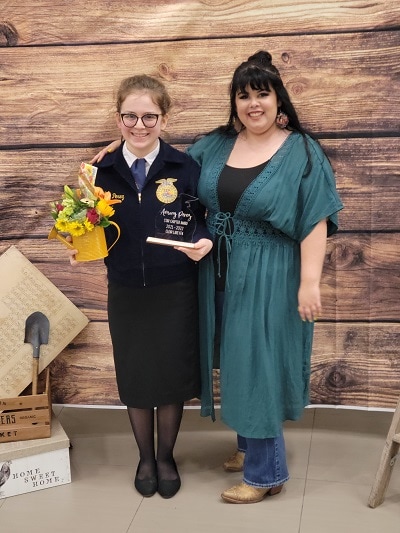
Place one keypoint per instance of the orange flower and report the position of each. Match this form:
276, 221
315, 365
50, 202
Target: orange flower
106, 196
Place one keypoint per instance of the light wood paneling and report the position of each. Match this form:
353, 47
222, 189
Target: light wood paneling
361, 279
65, 96
58, 22
339, 375
367, 174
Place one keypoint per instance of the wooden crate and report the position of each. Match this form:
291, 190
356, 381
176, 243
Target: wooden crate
26, 417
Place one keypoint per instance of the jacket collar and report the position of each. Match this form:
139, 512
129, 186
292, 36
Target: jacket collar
167, 154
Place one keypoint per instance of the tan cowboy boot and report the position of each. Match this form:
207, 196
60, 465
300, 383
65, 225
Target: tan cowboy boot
244, 493
235, 463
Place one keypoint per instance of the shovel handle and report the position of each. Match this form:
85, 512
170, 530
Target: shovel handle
35, 373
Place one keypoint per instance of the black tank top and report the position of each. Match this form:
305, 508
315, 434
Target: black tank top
231, 185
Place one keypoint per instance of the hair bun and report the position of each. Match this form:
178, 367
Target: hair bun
262, 57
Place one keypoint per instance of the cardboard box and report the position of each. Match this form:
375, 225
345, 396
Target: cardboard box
30, 465
24, 290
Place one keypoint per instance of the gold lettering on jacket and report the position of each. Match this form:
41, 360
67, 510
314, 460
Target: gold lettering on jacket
115, 196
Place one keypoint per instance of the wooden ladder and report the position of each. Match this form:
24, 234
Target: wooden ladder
389, 455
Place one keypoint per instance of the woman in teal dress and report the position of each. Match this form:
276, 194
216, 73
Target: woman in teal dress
271, 199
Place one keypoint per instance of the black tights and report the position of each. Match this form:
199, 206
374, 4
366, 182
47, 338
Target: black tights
168, 423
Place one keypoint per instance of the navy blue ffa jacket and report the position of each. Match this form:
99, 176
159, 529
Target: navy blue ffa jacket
172, 178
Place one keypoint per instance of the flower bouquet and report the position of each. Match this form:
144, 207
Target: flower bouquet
84, 213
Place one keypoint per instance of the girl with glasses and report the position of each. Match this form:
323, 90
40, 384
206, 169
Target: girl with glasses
152, 289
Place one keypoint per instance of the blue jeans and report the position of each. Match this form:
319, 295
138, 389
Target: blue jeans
264, 461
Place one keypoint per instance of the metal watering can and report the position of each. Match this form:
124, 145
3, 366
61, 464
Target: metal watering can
91, 245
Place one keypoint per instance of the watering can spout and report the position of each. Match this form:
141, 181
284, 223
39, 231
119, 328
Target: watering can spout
55, 235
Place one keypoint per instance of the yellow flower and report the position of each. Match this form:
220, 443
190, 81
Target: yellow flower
61, 224
104, 209
75, 229
88, 225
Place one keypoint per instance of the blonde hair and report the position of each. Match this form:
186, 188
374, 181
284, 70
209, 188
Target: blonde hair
144, 83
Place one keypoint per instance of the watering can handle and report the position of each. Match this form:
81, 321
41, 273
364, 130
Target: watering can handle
118, 234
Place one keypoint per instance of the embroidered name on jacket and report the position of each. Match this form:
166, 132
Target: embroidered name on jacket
115, 196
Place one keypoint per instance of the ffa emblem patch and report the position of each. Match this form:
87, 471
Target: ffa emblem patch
167, 192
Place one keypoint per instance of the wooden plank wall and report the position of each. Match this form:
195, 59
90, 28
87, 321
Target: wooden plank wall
60, 63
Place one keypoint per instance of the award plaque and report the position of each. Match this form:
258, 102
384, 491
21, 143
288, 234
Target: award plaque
175, 223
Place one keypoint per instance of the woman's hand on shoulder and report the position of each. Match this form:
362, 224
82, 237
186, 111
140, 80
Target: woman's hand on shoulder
107, 150
200, 250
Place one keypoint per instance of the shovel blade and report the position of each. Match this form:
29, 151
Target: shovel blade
37, 328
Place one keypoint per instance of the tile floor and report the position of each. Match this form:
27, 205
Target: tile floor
333, 455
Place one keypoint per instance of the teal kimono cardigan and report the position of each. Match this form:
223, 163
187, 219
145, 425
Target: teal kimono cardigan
265, 346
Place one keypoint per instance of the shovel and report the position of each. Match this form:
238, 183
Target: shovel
36, 333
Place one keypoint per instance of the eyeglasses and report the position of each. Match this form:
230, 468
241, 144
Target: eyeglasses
149, 120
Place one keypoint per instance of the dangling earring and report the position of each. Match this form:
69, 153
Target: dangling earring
282, 120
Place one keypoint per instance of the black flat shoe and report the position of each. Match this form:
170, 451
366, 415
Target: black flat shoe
167, 488
147, 486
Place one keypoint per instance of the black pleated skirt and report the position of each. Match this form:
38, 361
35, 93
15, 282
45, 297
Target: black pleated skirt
154, 332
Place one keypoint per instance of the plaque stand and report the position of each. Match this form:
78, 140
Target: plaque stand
169, 242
